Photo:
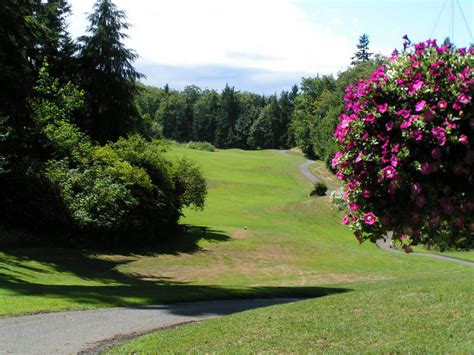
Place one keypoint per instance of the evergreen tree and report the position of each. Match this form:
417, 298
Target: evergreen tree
107, 74
56, 46
362, 54
229, 112
206, 110
19, 34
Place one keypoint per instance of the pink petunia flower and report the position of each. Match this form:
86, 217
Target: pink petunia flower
370, 118
345, 220
406, 124
442, 104
420, 106
464, 99
389, 126
416, 188
463, 139
417, 135
403, 113
382, 108
389, 172
370, 218
440, 134
353, 206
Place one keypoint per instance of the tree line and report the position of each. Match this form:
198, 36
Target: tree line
229, 119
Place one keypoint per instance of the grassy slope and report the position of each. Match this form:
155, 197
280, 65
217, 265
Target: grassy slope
433, 314
293, 245
396, 302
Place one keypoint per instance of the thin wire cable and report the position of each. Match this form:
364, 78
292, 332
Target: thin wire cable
437, 20
464, 18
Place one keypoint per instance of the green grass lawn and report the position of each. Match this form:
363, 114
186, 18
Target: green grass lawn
430, 314
263, 237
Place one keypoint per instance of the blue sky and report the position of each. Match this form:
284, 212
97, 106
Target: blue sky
265, 46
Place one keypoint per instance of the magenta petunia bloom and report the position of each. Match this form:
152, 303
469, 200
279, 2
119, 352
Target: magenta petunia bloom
382, 108
450, 124
440, 134
403, 113
420, 106
442, 104
336, 158
345, 220
416, 86
425, 168
389, 172
370, 118
464, 99
370, 218
406, 124
463, 139
353, 206
417, 135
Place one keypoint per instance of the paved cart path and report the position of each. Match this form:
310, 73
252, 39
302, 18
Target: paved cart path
93, 330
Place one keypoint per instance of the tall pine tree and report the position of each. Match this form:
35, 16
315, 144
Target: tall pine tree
107, 74
362, 54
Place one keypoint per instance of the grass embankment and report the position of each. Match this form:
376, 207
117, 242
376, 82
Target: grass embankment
430, 314
265, 238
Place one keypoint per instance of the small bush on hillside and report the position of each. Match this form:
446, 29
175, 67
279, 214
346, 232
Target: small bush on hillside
206, 146
320, 189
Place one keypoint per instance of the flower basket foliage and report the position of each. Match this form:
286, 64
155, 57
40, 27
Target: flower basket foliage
406, 148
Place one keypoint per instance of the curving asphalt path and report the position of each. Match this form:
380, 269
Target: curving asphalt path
92, 331
304, 169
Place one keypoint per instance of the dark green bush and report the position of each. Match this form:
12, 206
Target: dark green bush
206, 146
123, 193
320, 189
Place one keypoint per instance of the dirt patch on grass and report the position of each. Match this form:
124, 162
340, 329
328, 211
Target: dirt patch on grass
240, 234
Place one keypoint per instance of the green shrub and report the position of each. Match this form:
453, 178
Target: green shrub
201, 146
119, 193
319, 189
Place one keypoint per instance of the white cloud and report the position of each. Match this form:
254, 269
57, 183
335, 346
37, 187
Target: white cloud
272, 35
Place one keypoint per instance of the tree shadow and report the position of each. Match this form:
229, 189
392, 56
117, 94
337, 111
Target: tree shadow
98, 282
185, 241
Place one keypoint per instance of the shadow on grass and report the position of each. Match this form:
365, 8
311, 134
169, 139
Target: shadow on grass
110, 287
